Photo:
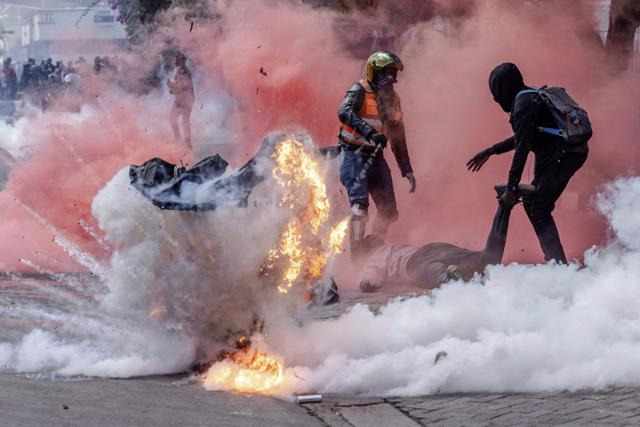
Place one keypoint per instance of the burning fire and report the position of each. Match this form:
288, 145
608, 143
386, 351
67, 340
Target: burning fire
304, 249
247, 371
307, 243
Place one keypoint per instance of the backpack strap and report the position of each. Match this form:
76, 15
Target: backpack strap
552, 131
525, 91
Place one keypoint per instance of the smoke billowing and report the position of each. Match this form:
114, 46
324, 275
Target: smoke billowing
265, 66
524, 328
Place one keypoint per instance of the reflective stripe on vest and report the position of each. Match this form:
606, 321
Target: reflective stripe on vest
368, 112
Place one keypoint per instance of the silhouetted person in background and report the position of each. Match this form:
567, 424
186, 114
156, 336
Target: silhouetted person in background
181, 87
10, 78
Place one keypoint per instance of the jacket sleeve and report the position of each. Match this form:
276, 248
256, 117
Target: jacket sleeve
347, 111
397, 135
505, 146
524, 128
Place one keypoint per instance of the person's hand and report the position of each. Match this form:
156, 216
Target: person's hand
509, 199
379, 139
412, 181
480, 159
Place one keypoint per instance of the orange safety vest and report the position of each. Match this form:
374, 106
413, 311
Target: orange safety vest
369, 113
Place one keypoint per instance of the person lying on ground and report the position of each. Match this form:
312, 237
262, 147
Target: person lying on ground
431, 265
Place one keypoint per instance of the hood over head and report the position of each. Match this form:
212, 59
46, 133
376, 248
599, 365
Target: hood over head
505, 81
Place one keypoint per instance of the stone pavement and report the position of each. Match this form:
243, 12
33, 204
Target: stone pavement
616, 407
178, 401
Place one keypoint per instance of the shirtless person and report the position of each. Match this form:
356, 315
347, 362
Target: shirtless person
181, 86
431, 265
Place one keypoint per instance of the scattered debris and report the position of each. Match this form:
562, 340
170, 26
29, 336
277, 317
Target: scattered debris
308, 398
64, 406
440, 355
263, 72
191, 27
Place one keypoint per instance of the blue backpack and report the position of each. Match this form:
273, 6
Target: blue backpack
573, 124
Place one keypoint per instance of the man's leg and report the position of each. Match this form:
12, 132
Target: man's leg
351, 166
431, 275
186, 124
550, 186
497, 239
173, 119
381, 190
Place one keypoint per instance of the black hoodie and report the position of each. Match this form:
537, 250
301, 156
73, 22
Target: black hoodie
527, 113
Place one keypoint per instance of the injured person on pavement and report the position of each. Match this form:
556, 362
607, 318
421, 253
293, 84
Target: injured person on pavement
433, 264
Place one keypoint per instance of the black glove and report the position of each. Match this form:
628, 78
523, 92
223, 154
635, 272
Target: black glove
379, 139
509, 199
480, 159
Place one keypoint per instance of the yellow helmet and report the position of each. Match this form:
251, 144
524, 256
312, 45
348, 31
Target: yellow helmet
379, 60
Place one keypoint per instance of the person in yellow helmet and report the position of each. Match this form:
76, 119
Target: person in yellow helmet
371, 117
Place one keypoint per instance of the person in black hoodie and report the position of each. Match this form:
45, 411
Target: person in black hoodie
555, 161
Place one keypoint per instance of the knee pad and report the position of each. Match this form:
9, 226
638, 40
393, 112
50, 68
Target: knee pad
360, 211
357, 224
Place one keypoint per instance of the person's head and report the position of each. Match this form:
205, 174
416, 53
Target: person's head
7, 62
49, 61
383, 66
31, 61
181, 59
505, 81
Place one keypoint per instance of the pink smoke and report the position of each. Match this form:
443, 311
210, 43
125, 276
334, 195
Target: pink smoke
449, 116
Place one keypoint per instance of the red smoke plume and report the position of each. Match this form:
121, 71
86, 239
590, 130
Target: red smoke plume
285, 65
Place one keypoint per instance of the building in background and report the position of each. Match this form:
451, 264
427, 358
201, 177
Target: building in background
59, 29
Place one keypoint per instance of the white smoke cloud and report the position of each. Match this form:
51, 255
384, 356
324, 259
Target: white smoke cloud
523, 328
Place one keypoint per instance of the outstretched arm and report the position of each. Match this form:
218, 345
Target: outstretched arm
477, 161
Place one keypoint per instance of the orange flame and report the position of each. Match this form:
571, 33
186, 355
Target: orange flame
305, 245
246, 371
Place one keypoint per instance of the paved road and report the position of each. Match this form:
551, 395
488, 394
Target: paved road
178, 401
158, 401
173, 401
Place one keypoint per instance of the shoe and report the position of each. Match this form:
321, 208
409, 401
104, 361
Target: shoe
454, 272
332, 296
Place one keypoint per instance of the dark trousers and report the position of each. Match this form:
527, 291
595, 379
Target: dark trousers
494, 248
428, 266
377, 183
550, 184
